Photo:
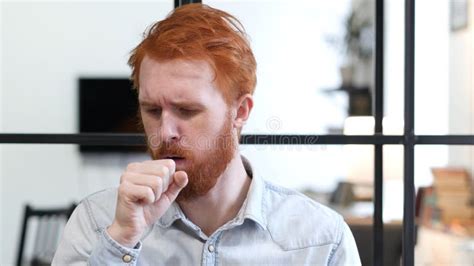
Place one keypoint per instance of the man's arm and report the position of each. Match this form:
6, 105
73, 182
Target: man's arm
146, 191
346, 252
84, 243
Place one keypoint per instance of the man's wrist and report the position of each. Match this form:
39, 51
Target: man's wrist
116, 233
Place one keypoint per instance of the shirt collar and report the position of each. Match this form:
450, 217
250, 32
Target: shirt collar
173, 213
252, 208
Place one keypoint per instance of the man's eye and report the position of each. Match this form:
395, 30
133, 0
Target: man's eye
154, 111
187, 112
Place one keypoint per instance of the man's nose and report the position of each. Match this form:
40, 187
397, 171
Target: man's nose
169, 128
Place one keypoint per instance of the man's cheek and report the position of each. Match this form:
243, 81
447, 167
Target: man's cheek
154, 141
200, 143
185, 143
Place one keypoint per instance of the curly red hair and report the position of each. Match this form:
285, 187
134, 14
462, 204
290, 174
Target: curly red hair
199, 32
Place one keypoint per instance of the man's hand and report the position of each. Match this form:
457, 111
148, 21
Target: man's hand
146, 191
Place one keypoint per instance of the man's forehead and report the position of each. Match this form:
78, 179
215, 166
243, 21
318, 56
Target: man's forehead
193, 70
179, 68
177, 81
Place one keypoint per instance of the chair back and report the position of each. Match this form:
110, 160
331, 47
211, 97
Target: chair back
43, 228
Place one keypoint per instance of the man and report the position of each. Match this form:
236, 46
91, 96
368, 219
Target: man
198, 201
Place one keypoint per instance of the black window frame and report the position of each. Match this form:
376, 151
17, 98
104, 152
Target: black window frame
409, 139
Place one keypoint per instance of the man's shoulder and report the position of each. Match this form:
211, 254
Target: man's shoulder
100, 207
103, 196
296, 221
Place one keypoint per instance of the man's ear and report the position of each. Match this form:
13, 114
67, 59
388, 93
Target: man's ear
243, 107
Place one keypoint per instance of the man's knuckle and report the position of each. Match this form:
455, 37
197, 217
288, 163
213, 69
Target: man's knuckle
126, 177
123, 189
133, 166
150, 194
158, 182
168, 163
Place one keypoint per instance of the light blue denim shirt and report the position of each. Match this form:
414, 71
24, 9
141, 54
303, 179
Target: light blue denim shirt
275, 226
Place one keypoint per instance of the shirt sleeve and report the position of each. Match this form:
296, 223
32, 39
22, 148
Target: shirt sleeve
345, 252
84, 243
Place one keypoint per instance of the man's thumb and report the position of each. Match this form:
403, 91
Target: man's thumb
181, 179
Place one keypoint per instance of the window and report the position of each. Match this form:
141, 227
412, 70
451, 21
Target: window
273, 128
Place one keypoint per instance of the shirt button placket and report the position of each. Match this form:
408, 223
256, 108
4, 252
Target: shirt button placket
127, 258
211, 248
211, 254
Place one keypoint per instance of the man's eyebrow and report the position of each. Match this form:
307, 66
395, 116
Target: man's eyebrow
145, 103
188, 104
177, 104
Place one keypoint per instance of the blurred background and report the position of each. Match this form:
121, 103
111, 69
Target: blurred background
63, 70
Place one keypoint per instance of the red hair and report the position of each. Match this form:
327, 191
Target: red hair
199, 32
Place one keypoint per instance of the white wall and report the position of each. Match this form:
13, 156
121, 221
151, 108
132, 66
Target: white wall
461, 91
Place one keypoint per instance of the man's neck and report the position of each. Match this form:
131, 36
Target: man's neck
222, 203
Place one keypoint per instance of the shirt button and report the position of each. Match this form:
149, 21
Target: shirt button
211, 248
126, 258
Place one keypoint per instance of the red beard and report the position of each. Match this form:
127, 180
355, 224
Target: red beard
203, 169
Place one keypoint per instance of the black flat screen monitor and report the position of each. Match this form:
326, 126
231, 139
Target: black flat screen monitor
108, 105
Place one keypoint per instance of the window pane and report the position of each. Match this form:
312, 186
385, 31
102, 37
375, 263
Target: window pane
444, 98
460, 98
445, 214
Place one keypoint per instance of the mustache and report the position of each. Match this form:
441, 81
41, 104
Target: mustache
172, 149
202, 142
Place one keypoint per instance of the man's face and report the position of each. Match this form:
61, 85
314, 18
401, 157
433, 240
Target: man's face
185, 118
